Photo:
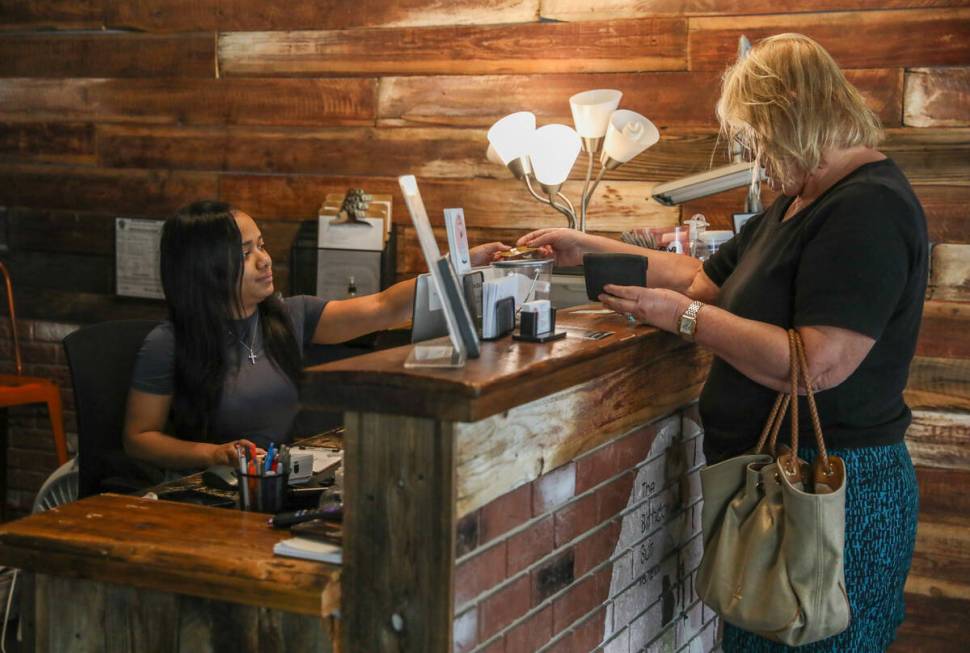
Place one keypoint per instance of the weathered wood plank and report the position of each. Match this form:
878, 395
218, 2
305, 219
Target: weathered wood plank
616, 9
47, 142
933, 624
281, 102
941, 562
937, 156
105, 54
940, 439
943, 491
944, 331
188, 15
506, 203
91, 189
879, 38
399, 552
506, 450
340, 151
937, 97
950, 272
73, 307
668, 99
60, 271
938, 383
947, 211
604, 46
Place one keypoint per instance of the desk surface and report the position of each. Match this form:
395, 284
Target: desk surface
215, 553
509, 373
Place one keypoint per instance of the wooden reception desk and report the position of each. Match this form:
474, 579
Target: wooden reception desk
425, 450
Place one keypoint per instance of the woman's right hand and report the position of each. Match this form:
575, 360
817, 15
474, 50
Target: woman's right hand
566, 245
225, 454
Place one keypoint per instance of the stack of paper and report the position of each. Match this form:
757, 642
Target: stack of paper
302, 547
494, 290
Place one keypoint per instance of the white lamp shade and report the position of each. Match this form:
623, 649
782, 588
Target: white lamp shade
592, 109
510, 136
553, 152
629, 134
493, 156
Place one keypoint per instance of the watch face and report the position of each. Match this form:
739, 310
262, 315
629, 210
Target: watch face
686, 325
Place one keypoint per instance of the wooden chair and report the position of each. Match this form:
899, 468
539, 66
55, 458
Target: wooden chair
18, 389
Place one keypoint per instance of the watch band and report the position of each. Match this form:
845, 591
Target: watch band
687, 324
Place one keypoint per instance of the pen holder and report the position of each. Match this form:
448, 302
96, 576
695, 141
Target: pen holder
262, 493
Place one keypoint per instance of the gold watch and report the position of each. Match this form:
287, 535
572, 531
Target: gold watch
687, 323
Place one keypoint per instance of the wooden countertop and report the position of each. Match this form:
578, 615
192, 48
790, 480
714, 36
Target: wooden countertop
508, 373
214, 553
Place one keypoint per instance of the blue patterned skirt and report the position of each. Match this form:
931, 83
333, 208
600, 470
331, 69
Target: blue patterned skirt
881, 506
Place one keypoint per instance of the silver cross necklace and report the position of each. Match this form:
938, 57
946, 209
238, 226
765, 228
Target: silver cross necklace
252, 346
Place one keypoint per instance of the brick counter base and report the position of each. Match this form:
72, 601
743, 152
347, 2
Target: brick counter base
597, 555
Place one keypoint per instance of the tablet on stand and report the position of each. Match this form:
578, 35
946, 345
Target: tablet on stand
462, 341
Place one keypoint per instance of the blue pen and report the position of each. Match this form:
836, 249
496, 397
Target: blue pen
268, 463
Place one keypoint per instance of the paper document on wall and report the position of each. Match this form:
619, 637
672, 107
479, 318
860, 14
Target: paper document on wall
303, 547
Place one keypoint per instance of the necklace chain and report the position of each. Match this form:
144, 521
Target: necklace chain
252, 346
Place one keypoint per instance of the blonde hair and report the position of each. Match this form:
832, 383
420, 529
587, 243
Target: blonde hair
787, 101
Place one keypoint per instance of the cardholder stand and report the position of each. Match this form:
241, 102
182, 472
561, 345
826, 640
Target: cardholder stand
504, 319
435, 353
528, 323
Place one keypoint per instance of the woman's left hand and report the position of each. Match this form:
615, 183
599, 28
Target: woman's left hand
658, 307
483, 254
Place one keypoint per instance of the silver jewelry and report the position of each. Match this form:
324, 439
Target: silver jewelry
252, 346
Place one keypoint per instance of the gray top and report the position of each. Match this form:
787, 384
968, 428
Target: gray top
258, 402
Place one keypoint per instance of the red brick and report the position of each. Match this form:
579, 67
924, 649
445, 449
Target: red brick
530, 635
614, 458
572, 605
505, 606
590, 634
564, 645
505, 513
467, 534
596, 548
498, 646
576, 518
481, 572
614, 497
530, 545
553, 489
553, 576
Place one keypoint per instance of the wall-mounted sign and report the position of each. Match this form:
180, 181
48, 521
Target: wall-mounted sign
137, 245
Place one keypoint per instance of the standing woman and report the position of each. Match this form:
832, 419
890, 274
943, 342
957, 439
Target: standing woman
841, 256
227, 364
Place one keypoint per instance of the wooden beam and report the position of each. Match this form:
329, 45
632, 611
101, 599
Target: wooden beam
878, 38
943, 490
937, 97
92, 189
575, 10
399, 534
107, 54
213, 15
940, 439
932, 624
938, 383
603, 46
941, 562
47, 142
947, 211
936, 156
669, 99
167, 101
503, 203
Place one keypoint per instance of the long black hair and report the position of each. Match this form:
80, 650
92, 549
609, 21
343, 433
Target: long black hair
201, 265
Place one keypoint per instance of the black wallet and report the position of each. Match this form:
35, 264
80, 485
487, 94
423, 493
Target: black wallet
618, 269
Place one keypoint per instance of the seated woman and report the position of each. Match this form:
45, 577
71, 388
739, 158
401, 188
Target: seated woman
841, 256
227, 364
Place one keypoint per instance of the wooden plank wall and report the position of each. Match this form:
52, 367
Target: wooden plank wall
132, 109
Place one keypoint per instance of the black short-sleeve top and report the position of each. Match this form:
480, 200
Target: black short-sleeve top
856, 258
259, 401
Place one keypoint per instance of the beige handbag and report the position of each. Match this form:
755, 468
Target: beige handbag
774, 530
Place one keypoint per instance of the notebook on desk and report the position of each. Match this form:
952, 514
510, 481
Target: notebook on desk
307, 549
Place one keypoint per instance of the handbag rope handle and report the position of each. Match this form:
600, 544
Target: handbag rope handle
798, 368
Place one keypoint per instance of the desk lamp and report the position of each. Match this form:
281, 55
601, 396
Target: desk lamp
543, 157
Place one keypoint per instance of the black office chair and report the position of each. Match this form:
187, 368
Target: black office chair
101, 358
